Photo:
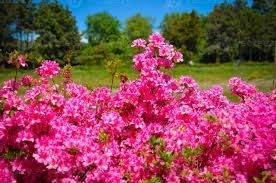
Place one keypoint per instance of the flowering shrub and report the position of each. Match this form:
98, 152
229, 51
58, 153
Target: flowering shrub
152, 129
48, 69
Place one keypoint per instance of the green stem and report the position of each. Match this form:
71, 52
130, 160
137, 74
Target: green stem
15, 78
112, 81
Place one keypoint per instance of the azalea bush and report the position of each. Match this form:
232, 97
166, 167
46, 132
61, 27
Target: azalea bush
153, 129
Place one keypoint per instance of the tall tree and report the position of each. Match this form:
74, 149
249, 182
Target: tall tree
57, 31
16, 26
102, 28
6, 31
268, 35
24, 22
222, 32
264, 6
138, 26
183, 30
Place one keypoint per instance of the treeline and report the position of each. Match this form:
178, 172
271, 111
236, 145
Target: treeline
231, 31
44, 30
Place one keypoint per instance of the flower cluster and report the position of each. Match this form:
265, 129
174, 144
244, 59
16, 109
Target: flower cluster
241, 89
48, 69
152, 129
17, 60
139, 43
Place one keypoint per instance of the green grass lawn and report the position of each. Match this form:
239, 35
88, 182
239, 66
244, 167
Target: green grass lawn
259, 74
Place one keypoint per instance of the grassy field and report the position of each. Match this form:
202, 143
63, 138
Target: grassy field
260, 74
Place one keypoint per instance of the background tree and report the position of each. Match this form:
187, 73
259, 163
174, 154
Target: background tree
57, 31
16, 26
7, 42
183, 30
24, 23
264, 6
102, 28
48, 30
221, 34
268, 35
138, 26
248, 29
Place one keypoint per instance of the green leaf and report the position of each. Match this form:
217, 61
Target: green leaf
154, 179
103, 136
189, 152
73, 150
13, 153
1, 107
211, 118
156, 141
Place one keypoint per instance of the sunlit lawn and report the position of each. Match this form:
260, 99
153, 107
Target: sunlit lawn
260, 74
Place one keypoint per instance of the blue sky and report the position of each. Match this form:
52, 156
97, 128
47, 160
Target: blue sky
122, 9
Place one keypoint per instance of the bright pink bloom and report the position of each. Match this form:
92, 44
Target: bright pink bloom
156, 38
241, 89
154, 128
11, 85
139, 43
22, 61
17, 62
5, 174
27, 81
48, 69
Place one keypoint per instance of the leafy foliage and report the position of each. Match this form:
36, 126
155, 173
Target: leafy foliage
58, 32
101, 28
138, 26
186, 31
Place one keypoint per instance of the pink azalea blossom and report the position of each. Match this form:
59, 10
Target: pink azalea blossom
27, 81
48, 69
139, 43
22, 61
152, 129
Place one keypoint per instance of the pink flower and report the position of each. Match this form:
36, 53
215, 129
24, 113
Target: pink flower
154, 128
178, 57
6, 174
48, 69
18, 61
241, 88
22, 61
27, 81
11, 85
156, 38
139, 43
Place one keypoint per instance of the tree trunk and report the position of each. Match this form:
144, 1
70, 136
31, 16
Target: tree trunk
250, 53
217, 57
259, 54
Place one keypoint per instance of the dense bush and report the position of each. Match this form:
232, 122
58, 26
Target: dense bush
95, 55
153, 129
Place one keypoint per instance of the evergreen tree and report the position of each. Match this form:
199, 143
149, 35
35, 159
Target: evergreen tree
57, 31
264, 6
183, 30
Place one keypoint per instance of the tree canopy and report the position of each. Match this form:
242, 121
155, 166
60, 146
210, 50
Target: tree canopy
102, 27
57, 33
183, 30
46, 29
138, 26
